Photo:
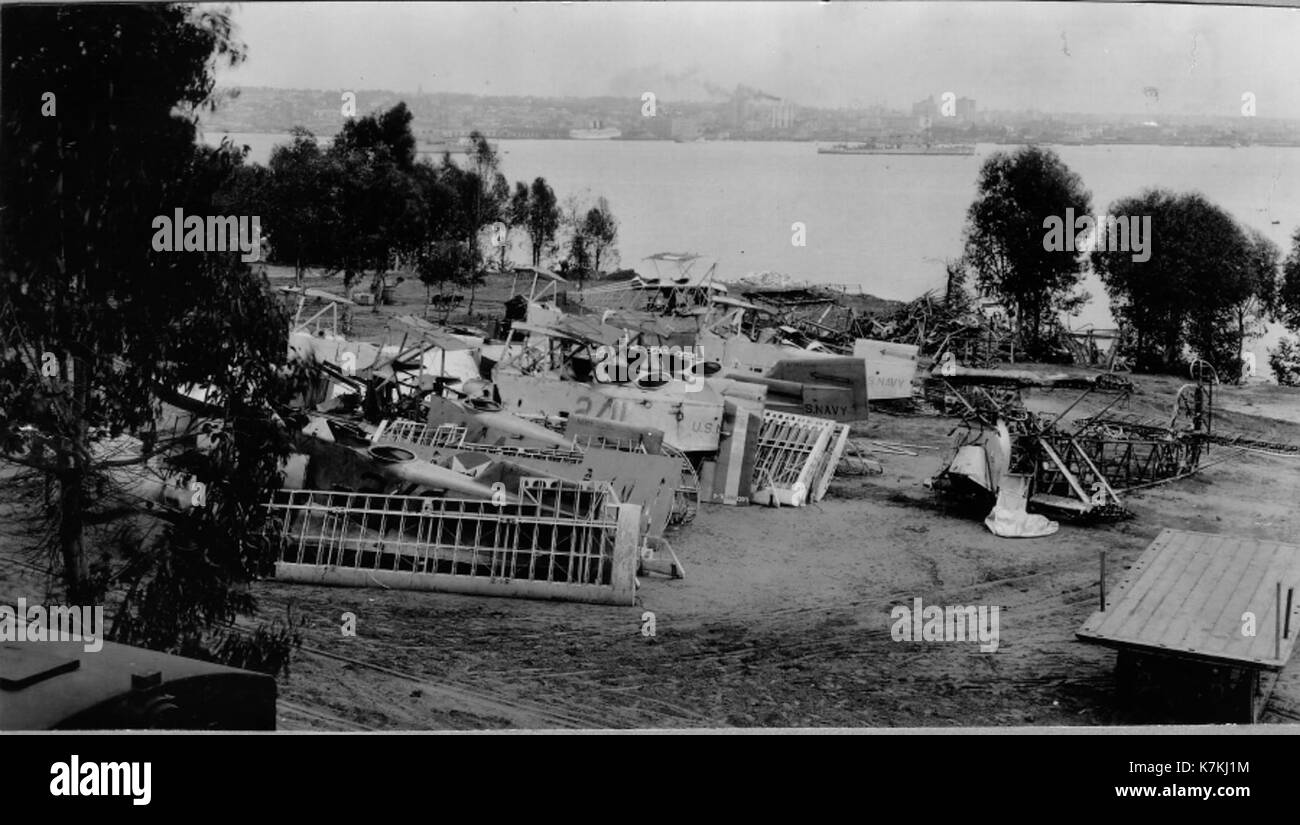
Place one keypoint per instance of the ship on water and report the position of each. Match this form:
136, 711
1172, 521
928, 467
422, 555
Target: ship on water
897, 148
444, 147
597, 131
436, 148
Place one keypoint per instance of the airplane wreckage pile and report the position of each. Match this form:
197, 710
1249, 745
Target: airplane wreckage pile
557, 460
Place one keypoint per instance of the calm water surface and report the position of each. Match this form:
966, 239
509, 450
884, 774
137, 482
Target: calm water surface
879, 222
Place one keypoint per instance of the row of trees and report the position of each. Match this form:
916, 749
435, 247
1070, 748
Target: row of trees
96, 327
366, 202
1207, 287
1285, 358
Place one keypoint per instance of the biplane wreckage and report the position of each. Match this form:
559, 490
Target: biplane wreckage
757, 330
561, 458
558, 462
1021, 460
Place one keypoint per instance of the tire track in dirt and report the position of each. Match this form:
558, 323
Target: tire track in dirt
802, 640
494, 692
480, 701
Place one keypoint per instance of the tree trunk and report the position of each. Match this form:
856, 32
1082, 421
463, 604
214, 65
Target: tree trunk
1024, 323
1241, 345
475, 255
71, 480
1037, 324
71, 506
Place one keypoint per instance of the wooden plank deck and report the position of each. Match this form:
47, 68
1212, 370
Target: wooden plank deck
1187, 592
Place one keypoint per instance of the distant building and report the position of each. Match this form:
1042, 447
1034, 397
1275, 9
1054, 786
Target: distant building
963, 109
782, 115
768, 114
738, 113
903, 124
926, 108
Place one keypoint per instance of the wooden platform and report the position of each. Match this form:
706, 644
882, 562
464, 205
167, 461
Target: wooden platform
1186, 594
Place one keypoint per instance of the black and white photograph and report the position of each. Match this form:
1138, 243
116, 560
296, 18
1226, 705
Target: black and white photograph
637, 367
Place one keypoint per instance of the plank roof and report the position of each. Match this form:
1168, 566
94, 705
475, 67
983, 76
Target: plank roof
1188, 592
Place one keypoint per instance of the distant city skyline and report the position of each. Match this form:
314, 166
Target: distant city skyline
1103, 58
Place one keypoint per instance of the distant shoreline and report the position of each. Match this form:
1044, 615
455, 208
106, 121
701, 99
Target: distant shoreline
816, 141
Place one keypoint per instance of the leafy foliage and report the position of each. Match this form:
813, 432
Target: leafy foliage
1286, 300
296, 202
443, 264
387, 134
601, 230
1017, 193
1285, 361
590, 235
515, 215
543, 221
82, 288
1207, 284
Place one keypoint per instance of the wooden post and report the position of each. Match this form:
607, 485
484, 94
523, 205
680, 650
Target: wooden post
1277, 623
1102, 579
627, 552
1286, 627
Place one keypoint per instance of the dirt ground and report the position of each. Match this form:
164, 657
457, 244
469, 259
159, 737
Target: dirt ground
783, 618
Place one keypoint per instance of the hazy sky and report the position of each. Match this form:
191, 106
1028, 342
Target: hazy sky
1082, 57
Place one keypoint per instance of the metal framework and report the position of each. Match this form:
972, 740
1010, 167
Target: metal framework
560, 540
603, 442
325, 319
549, 290
668, 294
1083, 470
404, 431
1065, 477
1131, 463
688, 490
830, 462
792, 450
513, 451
